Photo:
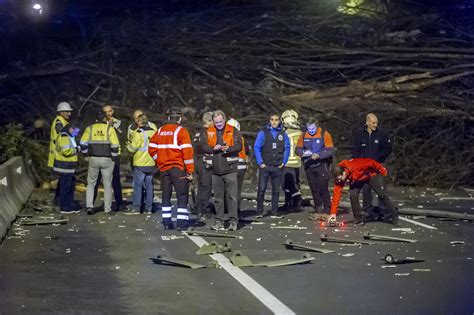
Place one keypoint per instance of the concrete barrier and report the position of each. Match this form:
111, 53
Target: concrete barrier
23, 184
16, 186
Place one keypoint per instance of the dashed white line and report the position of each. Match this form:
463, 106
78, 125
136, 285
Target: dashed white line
262, 294
417, 223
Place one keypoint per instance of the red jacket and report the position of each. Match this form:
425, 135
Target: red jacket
357, 170
171, 147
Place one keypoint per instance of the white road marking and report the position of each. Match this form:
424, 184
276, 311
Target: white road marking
417, 223
262, 294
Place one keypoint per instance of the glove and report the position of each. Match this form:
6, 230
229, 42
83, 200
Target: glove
307, 153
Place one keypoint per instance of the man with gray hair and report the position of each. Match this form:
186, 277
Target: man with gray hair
203, 168
223, 142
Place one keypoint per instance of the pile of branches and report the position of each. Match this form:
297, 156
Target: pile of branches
415, 71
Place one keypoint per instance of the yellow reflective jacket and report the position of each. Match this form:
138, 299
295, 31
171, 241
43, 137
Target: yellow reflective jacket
138, 145
65, 159
58, 124
100, 140
294, 160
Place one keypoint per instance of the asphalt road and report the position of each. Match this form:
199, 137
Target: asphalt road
100, 264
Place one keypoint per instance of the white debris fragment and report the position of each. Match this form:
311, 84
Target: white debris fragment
348, 255
68, 250
456, 242
422, 270
257, 222
259, 239
139, 230
388, 266
121, 226
117, 267
402, 274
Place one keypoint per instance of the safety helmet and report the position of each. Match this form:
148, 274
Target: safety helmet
64, 107
290, 118
234, 123
174, 111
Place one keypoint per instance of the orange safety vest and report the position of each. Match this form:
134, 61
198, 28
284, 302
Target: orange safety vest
242, 164
228, 136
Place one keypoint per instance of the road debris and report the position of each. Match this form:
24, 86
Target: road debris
289, 227
375, 237
326, 238
191, 231
170, 238
54, 222
290, 245
214, 248
240, 260
167, 260
389, 259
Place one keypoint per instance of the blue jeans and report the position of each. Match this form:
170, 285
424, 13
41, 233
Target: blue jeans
142, 179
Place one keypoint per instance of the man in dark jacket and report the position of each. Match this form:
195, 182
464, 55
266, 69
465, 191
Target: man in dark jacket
371, 142
203, 170
272, 150
223, 142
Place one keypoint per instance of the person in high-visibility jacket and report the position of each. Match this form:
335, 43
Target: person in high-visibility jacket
241, 164
65, 164
358, 172
143, 166
116, 180
62, 118
100, 143
171, 149
316, 149
222, 144
291, 171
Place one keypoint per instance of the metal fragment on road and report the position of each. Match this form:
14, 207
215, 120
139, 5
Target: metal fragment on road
456, 242
375, 237
402, 274
402, 229
44, 222
326, 238
422, 270
240, 260
290, 245
289, 227
167, 260
214, 248
389, 259
191, 231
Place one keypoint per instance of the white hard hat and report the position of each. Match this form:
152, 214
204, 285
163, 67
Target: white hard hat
234, 123
289, 117
64, 107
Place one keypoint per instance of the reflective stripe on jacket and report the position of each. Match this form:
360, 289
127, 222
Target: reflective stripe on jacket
171, 147
65, 160
100, 140
139, 146
294, 161
222, 162
58, 124
243, 158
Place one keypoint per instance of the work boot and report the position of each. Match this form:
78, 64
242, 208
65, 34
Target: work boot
90, 211
233, 226
182, 225
393, 219
218, 225
168, 224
